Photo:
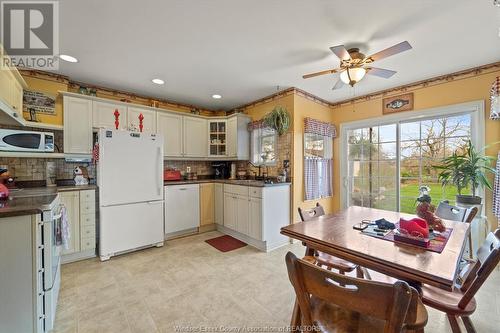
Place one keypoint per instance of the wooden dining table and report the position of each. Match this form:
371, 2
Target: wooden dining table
334, 234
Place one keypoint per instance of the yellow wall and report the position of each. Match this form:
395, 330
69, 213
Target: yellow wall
303, 108
447, 93
299, 107
49, 87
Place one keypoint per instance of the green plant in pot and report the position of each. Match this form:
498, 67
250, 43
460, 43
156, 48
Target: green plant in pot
469, 169
278, 119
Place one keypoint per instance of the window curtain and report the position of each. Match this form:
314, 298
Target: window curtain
318, 172
495, 99
496, 192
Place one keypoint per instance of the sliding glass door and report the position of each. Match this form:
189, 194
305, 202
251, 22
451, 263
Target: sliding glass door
384, 165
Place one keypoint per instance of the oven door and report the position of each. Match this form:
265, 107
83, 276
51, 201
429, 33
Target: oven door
52, 228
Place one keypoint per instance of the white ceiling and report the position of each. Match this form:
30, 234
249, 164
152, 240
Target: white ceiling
244, 49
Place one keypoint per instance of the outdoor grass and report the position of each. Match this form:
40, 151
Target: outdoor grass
409, 193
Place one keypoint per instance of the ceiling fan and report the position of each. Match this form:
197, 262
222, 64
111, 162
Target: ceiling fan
354, 64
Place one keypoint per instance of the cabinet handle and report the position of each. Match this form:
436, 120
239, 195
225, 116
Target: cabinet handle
182, 189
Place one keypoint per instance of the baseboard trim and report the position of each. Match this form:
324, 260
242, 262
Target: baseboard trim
69, 258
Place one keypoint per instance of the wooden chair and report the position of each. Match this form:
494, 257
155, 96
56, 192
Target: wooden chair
461, 302
460, 214
331, 302
323, 259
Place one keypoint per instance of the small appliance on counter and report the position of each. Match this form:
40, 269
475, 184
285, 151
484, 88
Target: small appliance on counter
171, 174
221, 170
233, 171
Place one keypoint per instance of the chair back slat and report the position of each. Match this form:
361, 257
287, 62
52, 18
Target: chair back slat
470, 214
374, 299
306, 215
488, 257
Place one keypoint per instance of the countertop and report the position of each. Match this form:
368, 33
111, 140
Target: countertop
28, 201
253, 183
25, 205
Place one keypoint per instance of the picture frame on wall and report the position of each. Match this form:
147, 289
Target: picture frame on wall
397, 103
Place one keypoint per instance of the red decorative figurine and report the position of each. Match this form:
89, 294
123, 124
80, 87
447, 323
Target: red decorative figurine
117, 115
141, 118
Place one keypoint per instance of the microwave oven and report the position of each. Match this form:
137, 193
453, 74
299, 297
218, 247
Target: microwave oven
26, 141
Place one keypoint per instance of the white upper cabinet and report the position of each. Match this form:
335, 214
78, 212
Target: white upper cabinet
103, 115
11, 95
238, 138
149, 121
195, 137
77, 125
170, 125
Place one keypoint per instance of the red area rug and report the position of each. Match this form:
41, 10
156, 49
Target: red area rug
225, 243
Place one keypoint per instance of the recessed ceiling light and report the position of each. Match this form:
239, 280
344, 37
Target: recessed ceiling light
158, 81
68, 58
216, 96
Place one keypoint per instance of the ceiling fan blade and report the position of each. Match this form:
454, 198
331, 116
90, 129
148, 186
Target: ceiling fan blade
380, 72
341, 52
328, 71
390, 51
339, 84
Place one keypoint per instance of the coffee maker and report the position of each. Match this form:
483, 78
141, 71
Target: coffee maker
221, 170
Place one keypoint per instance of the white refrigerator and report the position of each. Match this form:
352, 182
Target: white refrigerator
130, 180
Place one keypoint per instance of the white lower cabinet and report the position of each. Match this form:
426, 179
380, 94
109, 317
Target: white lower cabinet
182, 209
81, 213
255, 218
255, 215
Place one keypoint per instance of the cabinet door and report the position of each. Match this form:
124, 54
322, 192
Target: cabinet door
219, 204
77, 125
206, 204
71, 200
6, 80
255, 218
195, 137
242, 214
232, 137
16, 96
170, 126
149, 121
103, 115
230, 211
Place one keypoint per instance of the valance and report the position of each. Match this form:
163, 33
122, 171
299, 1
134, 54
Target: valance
319, 127
257, 124
495, 99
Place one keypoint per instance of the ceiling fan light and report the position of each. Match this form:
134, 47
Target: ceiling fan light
352, 76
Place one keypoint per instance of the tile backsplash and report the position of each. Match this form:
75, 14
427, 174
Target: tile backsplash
35, 168
203, 168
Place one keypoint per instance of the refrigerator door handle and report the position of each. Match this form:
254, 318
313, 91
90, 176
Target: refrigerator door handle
159, 172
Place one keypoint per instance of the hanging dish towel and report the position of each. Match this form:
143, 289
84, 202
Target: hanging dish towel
66, 231
496, 191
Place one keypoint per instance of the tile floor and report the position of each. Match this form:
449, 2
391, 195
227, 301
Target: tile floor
189, 283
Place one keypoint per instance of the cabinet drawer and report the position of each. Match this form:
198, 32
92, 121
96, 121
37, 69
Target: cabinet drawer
87, 208
88, 231
87, 219
87, 196
87, 243
255, 192
236, 189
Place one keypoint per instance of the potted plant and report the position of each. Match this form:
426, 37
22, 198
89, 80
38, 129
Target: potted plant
467, 170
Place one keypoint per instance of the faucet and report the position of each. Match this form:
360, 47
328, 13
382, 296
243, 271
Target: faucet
259, 175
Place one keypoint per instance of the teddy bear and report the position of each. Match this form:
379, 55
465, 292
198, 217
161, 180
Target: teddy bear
81, 175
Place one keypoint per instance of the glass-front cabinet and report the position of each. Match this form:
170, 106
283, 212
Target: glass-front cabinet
217, 137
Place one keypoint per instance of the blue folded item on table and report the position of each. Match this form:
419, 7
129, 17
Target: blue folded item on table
384, 224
